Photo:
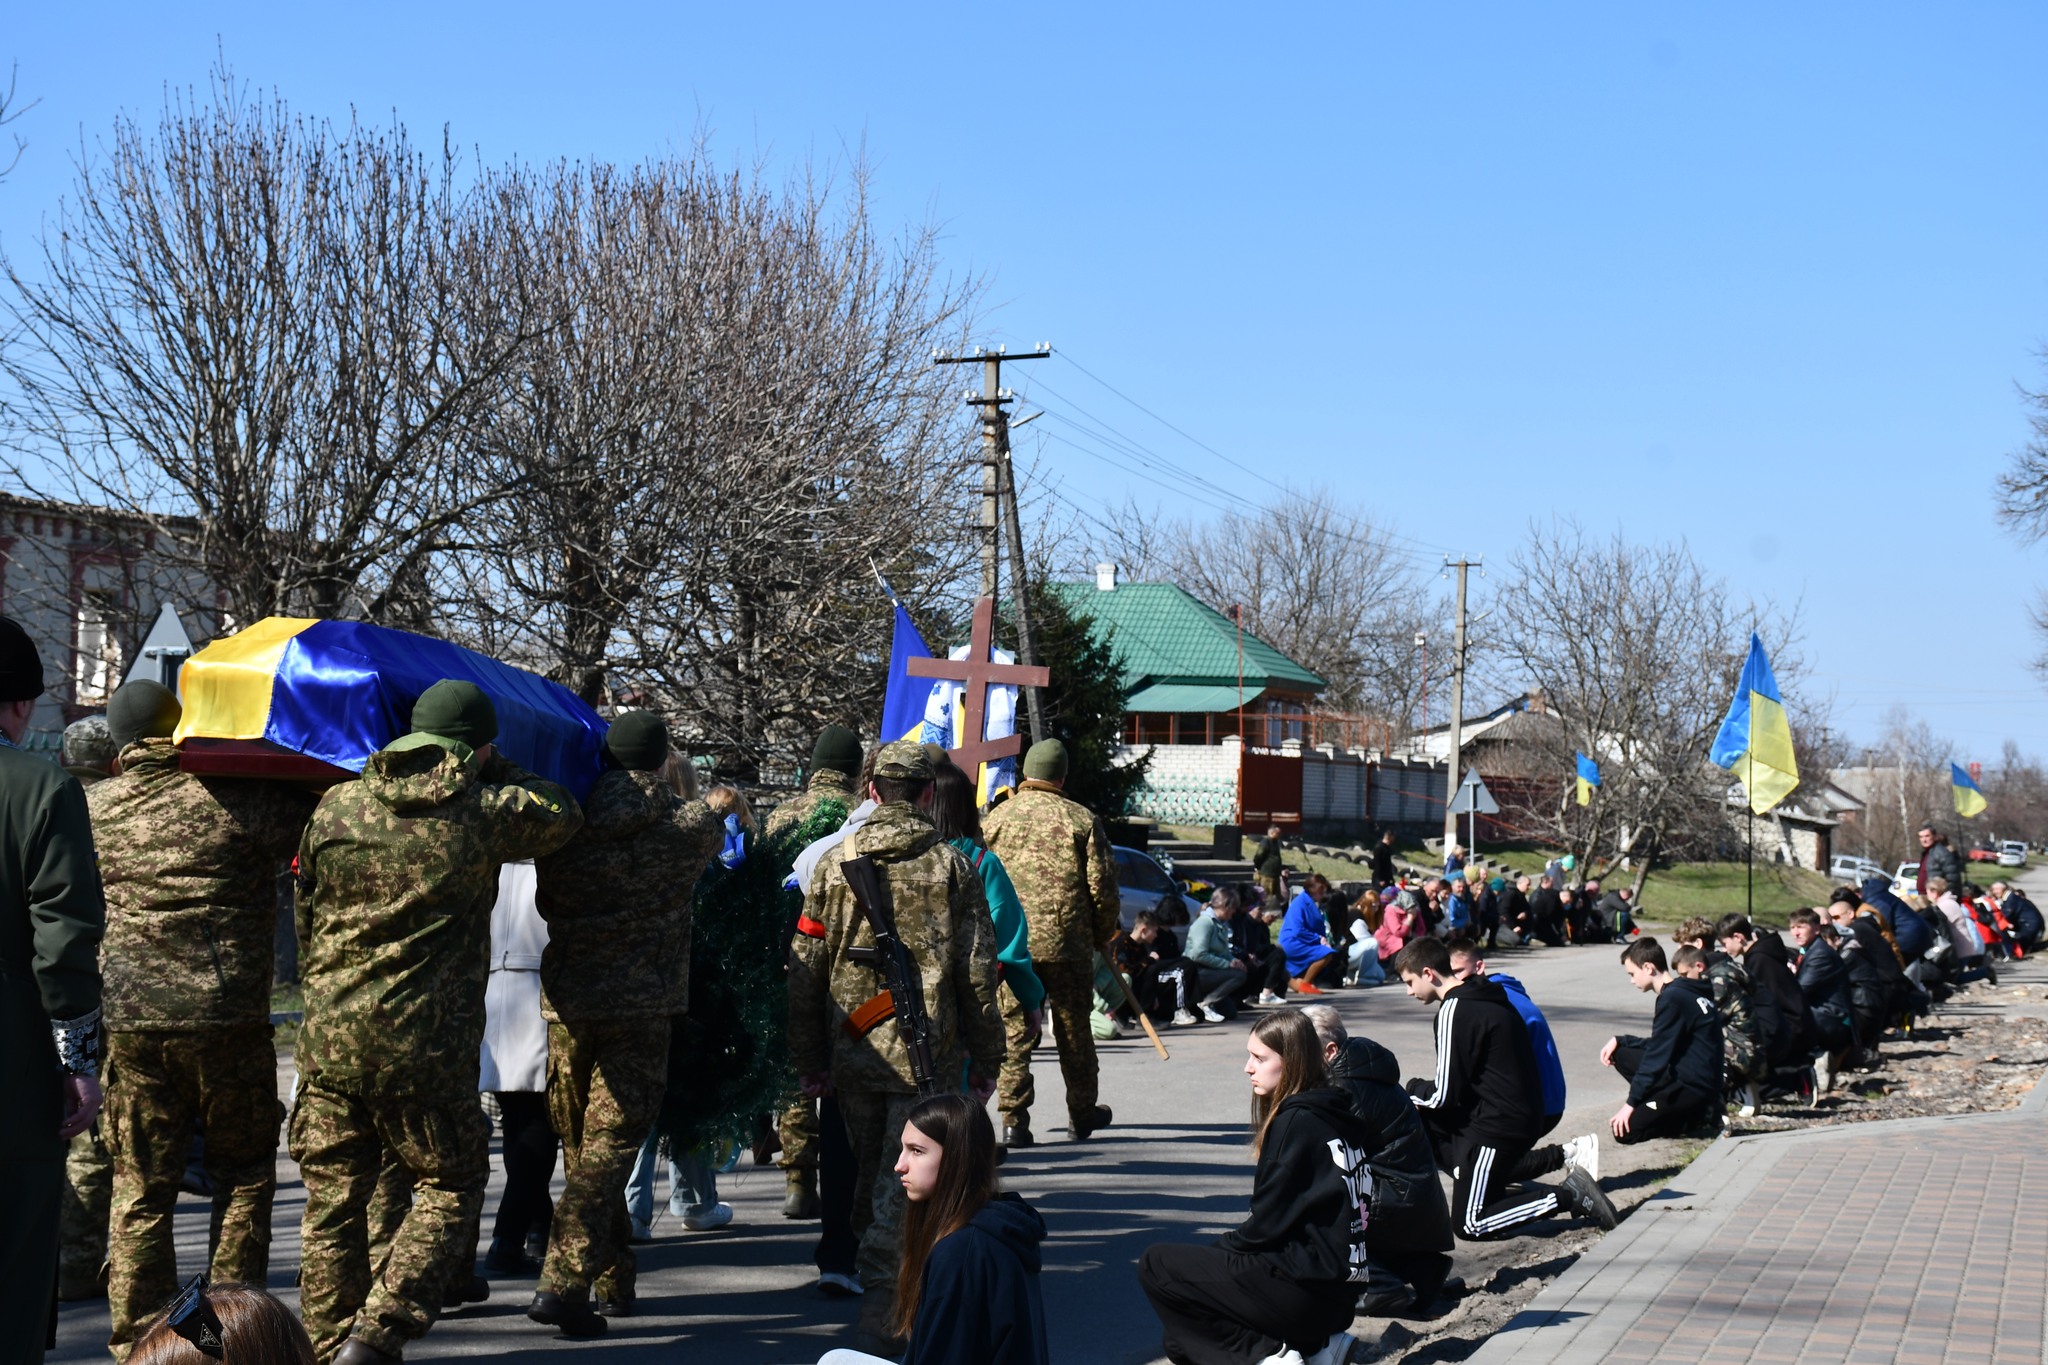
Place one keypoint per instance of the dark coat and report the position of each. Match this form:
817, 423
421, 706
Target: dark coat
1409, 1211
1382, 865
979, 1299
1824, 983
1681, 1066
1787, 1022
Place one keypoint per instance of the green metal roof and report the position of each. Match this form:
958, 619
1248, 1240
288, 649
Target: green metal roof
1190, 697
1163, 634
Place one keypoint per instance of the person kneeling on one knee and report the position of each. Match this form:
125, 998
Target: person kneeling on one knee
1674, 1075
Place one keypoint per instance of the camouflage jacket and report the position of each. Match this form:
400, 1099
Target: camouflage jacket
826, 784
190, 866
1740, 1031
1057, 855
398, 871
617, 900
942, 916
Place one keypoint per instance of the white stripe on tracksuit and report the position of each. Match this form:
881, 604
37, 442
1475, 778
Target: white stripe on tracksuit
1445, 1013
1482, 1159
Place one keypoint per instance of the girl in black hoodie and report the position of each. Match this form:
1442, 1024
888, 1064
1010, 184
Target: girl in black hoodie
1281, 1289
968, 1286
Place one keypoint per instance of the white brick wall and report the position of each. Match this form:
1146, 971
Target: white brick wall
1189, 784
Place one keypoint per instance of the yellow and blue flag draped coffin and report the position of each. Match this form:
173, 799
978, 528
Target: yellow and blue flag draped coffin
313, 700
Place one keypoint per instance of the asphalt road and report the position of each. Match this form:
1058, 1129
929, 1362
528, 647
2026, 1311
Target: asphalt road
1175, 1167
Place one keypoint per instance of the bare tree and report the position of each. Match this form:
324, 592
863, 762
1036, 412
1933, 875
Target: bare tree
1907, 786
10, 110
2023, 494
265, 337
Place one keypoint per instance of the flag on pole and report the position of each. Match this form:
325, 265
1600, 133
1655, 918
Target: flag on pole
1969, 796
903, 703
1755, 742
1589, 778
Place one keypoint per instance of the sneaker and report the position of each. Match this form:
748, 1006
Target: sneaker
1752, 1100
1210, 1014
1268, 998
1185, 1019
1584, 1153
1286, 1355
1336, 1351
1384, 1303
717, 1216
642, 1232
1587, 1199
1990, 972
1823, 1074
834, 1285
1300, 987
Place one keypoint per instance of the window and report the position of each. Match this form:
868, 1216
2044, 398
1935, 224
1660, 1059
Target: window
1136, 872
97, 650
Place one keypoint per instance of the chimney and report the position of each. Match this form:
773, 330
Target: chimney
1105, 578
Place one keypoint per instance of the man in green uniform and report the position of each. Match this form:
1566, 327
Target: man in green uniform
51, 914
88, 1170
1269, 867
616, 973
1057, 855
190, 866
398, 871
842, 1035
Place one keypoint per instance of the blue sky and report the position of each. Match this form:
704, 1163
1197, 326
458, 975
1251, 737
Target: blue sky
1762, 277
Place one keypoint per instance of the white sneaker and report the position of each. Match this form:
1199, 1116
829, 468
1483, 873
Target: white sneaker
1336, 1351
1286, 1355
1823, 1075
1185, 1019
1211, 1015
1268, 998
837, 1285
717, 1216
1584, 1153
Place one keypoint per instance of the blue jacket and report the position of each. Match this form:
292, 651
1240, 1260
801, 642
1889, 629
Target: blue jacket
1457, 911
1301, 934
1549, 1066
1913, 936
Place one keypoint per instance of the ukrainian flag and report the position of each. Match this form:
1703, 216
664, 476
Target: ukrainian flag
1757, 735
1589, 778
904, 700
1969, 796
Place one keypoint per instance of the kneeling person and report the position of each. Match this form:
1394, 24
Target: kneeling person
1674, 1075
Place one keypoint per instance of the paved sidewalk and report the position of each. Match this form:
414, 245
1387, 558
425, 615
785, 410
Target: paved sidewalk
1917, 1240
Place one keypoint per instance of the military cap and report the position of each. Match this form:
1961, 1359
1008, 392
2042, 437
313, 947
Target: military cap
143, 709
638, 740
904, 761
934, 754
838, 748
1046, 761
457, 710
89, 744
21, 667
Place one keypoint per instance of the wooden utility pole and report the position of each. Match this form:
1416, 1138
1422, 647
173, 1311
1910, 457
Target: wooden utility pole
1455, 771
996, 477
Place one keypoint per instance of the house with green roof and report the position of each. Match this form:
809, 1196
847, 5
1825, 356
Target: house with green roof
1183, 662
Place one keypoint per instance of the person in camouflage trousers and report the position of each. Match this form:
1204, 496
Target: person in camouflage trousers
617, 899
190, 866
1742, 1040
88, 1169
1057, 855
843, 1040
398, 871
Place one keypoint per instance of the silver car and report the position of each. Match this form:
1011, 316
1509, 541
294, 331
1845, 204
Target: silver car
1142, 884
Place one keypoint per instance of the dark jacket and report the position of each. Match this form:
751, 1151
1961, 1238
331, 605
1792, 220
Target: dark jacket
1310, 1196
979, 1299
1486, 1085
1781, 1009
2026, 919
1681, 1066
1824, 983
1267, 859
1940, 861
1546, 914
1912, 933
1409, 1211
1382, 865
1514, 906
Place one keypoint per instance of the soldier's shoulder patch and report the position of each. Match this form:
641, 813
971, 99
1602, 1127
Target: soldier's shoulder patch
809, 927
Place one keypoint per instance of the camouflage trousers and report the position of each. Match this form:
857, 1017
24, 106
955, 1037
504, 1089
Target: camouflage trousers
1069, 1000
606, 1078
344, 1145
82, 1217
874, 1128
797, 1126
158, 1085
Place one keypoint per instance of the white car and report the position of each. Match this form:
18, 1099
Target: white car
1852, 871
1908, 876
2012, 853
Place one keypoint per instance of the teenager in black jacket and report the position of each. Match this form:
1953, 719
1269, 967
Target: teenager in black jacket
1287, 1279
1483, 1106
1674, 1075
1408, 1236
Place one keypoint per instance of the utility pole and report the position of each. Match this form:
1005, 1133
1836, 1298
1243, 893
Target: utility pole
1456, 733
995, 476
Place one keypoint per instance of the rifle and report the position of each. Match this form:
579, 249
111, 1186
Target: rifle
902, 986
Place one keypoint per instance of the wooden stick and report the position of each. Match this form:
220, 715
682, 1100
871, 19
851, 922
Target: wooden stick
1131, 994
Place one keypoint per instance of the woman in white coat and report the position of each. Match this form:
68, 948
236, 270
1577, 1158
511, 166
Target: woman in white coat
515, 1071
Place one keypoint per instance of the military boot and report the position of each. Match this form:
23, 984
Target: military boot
800, 1200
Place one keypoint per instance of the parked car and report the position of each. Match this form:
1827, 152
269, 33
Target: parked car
1908, 875
2012, 853
1142, 884
1846, 871
1983, 853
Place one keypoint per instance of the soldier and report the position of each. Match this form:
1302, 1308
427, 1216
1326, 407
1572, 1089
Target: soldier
1057, 854
50, 919
397, 874
88, 1170
842, 1039
190, 865
615, 974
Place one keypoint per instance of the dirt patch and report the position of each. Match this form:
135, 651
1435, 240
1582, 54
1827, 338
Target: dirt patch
1984, 1051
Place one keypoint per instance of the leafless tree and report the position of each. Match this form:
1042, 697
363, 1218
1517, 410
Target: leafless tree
2023, 493
10, 110
1907, 786
267, 338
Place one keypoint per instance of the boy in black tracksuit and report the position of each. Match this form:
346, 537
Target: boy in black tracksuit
1674, 1075
1483, 1106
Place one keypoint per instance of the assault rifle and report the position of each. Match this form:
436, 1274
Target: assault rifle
902, 985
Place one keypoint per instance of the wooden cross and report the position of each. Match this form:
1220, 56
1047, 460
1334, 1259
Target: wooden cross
980, 671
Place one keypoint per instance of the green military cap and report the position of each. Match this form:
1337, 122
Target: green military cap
934, 754
89, 743
1046, 761
838, 748
142, 709
904, 760
457, 710
638, 740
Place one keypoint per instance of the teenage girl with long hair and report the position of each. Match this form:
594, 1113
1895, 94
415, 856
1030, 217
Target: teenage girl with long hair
968, 1285
1282, 1288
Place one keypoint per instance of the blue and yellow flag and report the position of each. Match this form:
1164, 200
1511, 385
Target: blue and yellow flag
904, 701
1589, 778
1969, 796
1755, 742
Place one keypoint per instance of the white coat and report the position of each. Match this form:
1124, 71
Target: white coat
515, 1054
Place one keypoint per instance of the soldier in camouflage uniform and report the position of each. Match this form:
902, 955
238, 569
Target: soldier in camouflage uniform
1742, 1039
88, 1170
942, 917
398, 871
616, 972
190, 866
1057, 855
835, 763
